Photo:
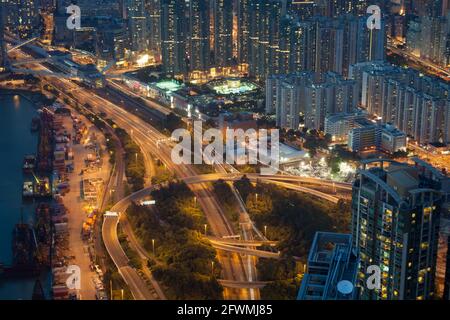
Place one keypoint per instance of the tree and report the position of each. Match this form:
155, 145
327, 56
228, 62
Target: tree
270, 270
244, 186
174, 122
280, 290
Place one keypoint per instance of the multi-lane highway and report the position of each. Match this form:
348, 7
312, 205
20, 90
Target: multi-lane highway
439, 71
236, 246
147, 137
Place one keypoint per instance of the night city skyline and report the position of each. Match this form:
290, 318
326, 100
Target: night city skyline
225, 150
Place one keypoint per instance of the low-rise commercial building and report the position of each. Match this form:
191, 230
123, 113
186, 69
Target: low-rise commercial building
370, 136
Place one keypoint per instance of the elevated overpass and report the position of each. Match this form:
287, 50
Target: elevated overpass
244, 243
289, 182
246, 250
243, 284
113, 246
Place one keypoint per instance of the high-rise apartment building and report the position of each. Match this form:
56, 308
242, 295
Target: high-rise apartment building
137, 20
284, 96
243, 13
93, 13
153, 9
112, 43
395, 224
428, 37
3, 56
265, 37
303, 9
222, 11
417, 105
311, 94
22, 17
334, 8
285, 44
199, 35
428, 31
173, 36
331, 94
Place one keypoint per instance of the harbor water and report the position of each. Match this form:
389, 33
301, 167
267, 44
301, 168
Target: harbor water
16, 141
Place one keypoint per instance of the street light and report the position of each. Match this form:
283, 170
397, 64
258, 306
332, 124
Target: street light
153, 246
265, 231
256, 196
121, 291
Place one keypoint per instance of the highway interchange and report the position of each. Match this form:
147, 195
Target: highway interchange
235, 270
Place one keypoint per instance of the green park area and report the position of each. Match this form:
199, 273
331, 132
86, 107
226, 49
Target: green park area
171, 231
228, 201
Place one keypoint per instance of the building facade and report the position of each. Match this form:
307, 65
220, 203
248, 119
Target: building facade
22, 18
138, 25
395, 225
173, 36
310, 94
3, 55
222, 11
199, 35
339, 125
418, 105
153, 9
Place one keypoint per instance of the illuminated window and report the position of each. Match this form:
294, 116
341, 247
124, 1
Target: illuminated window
427, 211
424, 245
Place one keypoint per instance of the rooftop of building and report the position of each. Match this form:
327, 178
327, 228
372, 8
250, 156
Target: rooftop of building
325, 243
364, 123
289, 154
336, 117
232, 86
394, 131
168, 85
332, 266
400, 180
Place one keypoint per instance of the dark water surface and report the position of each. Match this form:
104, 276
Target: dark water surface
16, 140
